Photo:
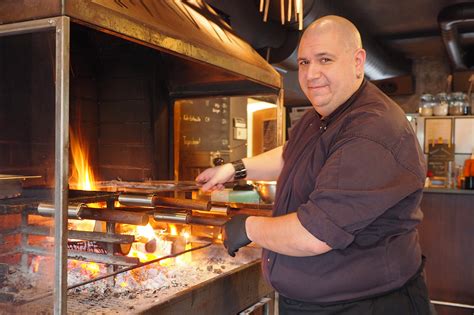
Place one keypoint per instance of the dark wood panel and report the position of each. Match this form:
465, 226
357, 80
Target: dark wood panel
449, 310
446, 237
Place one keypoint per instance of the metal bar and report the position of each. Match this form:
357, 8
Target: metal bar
118, 216
85, 256
110, 229
24, 241
253, 212
61, 163
154, 200
138, 266
453, 304
171, 217
207, 220
115, 273
263, 303
281, 117
27, 27
104, 259
82, 235
265, 13
181, 217
73, 211
81, 211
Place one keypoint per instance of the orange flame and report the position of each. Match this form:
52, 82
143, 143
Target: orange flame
144, 235
187, 258
35, 263
82, 176
173, 229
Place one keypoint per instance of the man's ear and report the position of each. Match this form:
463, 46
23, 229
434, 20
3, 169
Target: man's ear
359, 57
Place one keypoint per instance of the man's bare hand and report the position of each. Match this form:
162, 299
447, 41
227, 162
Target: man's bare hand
214, 178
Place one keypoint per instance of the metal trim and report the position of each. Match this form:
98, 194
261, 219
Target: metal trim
28, 27
61, 27
281, 136
61, 163
452, 304
110, 18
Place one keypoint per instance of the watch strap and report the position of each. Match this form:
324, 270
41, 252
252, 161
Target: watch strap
240, 170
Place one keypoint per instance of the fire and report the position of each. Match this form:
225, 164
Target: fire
173, 229
35, 263
91, 269
82, 176
88, 269
187, 258
149, 244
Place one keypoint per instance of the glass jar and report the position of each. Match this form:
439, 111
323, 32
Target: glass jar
440, 107
425, 107
458, 104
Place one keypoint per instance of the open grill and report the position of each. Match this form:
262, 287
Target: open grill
114, 70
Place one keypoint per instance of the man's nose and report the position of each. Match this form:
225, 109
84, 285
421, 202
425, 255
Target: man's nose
314, 71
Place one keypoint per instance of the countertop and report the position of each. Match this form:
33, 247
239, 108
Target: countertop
454, 191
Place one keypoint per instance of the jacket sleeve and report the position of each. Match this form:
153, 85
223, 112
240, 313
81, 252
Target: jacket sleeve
359, 182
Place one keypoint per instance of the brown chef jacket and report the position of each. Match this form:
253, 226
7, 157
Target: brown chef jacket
355, 179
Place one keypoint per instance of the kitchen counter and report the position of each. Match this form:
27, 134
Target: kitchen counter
446, 241
431, 190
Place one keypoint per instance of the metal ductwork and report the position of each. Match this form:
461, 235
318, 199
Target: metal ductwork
452, 20
380, 63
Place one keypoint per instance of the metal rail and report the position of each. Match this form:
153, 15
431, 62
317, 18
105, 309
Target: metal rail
453, 304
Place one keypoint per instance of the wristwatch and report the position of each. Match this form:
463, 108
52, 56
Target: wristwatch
240, 170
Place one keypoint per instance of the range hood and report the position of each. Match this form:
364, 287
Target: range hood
203, 54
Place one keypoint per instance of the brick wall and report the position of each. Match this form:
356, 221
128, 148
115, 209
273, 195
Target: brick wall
27, 105
430, 77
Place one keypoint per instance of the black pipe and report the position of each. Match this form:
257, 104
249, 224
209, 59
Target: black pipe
450, 19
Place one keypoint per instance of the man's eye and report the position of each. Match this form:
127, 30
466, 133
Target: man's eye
325, 60
303, 62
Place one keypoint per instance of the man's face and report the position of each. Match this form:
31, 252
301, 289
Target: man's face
328, 69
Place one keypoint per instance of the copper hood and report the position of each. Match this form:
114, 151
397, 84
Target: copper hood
204, 55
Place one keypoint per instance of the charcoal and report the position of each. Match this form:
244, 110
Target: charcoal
6, 297
3, 269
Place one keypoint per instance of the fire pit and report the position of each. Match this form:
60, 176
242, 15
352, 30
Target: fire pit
89, 88
171, 286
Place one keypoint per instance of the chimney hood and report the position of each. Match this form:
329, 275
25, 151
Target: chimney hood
205, 56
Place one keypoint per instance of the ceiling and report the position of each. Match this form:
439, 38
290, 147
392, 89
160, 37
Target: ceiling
394, 33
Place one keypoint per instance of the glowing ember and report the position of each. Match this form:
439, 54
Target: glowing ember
149, 245
173, 229
187, 258
87, 269
35, 263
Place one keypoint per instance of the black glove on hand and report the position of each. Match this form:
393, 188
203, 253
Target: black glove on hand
234, 234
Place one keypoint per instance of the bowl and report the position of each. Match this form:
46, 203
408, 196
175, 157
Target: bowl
266, 190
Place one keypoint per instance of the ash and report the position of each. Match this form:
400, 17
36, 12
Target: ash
139, 289
21, 284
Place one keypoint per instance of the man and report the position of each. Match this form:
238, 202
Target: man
342, 239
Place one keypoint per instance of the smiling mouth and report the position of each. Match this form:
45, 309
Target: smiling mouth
316, 86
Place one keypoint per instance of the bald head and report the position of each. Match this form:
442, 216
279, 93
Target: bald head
330, 62
345, 31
